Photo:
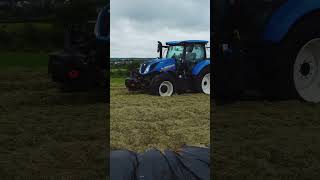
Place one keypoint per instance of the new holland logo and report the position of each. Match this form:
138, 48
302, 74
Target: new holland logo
167, 67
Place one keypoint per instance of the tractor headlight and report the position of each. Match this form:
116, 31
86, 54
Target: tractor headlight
147, 69
142, 68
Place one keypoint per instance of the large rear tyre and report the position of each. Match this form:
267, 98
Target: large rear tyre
162, 85
306, 72
296, 69
203, 81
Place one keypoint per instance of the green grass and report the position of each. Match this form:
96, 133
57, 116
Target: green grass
18, 27
47, 133
30, 37
140, 121
23, 59
117, 82
116, 70
266, 140
119, 73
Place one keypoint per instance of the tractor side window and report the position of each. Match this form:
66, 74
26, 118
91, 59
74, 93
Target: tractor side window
199, 51
195, 53
175, 52
165, 51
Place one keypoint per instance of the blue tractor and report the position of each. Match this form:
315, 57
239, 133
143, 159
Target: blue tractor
269, 46
185, 67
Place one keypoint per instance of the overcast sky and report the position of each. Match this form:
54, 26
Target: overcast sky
137, 25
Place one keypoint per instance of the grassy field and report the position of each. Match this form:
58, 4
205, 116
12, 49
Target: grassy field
266, 140
44, 132
23, 59
30, 36
18, 27
141, 121
118, 73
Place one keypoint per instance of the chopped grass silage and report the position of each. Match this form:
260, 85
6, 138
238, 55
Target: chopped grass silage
44, 132
266, 140
140, 121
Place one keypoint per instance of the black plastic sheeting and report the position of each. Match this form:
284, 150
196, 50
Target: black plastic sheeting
188, 163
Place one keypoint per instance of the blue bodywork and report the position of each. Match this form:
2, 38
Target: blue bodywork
175, 43
159, 65
286, 16
169, 65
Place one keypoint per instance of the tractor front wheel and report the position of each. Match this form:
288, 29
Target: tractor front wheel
162, 85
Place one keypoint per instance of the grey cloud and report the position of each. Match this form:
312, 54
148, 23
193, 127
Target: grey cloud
137, 25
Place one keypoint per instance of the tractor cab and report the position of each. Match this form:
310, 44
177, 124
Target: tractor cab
181, 66
186, 54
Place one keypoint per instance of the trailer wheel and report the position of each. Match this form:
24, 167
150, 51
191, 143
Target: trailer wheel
203, 81
162, 85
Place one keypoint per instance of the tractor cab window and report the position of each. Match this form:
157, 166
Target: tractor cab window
195, 53
175, 52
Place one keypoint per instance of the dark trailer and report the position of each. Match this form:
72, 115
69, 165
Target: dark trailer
83, 62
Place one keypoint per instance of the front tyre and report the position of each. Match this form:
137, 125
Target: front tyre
162, 85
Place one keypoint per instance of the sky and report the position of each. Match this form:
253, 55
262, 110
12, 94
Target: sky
137, 25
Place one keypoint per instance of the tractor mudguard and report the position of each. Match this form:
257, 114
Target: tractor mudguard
200, 66
286, 16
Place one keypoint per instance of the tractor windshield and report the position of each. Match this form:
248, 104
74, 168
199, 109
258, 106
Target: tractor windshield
175, 52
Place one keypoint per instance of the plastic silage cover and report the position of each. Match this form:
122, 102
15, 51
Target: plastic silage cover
189, 163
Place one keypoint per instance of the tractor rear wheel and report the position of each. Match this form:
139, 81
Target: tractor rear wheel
296, 69
162, 85
203, 81
306, 72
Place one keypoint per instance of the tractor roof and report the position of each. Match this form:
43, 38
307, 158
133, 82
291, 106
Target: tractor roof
175, 43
